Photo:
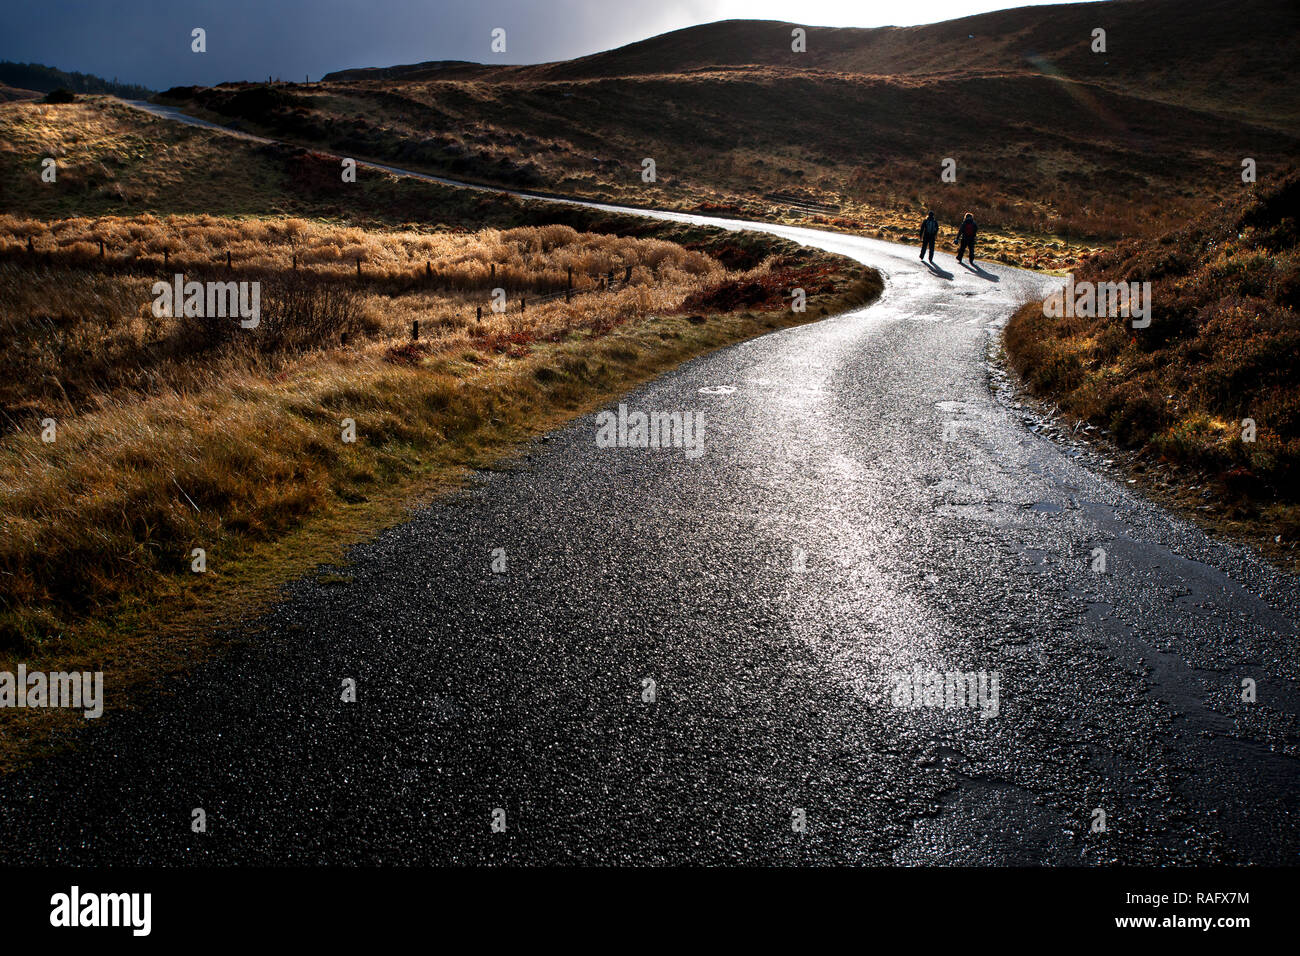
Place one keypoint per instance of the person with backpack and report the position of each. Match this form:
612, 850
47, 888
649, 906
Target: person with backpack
966, 238
929, 230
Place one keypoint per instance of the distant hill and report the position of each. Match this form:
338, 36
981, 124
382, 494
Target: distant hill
1209, 51
44, 79
9, 94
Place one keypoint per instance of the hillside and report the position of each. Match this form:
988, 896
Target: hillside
1058, 150
1205, 53
1221, 348
10, 93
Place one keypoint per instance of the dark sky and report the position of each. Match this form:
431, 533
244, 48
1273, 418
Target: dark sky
148, 41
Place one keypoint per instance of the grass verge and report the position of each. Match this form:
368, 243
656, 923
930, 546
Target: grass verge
1205, 401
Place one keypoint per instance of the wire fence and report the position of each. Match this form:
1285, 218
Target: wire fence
607, 281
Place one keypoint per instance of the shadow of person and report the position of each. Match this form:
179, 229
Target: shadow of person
979, 271
936, 270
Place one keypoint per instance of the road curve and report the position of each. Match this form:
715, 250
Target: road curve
865, 505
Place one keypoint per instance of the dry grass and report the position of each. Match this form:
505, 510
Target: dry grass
533, 257
110, 156
82, 335
1221, 348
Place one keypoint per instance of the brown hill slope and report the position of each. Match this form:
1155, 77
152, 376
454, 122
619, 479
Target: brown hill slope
9, 94
1209, 53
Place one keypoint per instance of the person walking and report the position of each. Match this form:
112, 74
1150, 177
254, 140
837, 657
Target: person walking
929, 231
966, 238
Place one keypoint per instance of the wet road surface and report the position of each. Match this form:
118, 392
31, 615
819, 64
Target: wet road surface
695, 659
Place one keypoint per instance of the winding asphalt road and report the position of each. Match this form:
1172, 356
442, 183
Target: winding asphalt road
867, 503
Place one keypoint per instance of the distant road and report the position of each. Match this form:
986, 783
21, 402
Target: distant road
865, 505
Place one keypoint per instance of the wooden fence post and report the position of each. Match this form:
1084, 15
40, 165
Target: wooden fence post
415, 330
227, 260
568, 289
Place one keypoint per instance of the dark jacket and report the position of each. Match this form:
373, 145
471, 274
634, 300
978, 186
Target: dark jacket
967, 230
929, 226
